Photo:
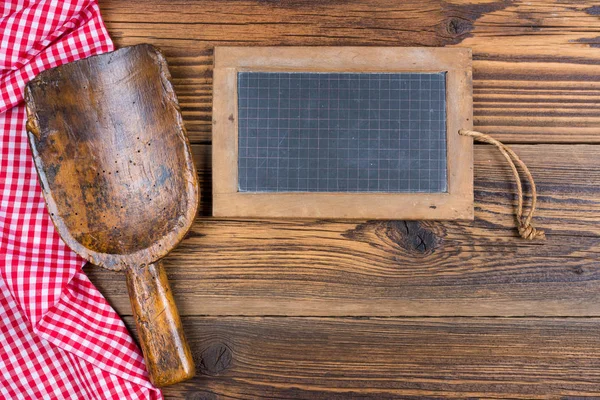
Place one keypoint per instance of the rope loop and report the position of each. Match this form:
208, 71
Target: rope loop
526, 230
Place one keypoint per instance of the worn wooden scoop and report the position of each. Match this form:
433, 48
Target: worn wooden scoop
117, 174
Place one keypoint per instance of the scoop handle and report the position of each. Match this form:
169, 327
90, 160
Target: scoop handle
166, 352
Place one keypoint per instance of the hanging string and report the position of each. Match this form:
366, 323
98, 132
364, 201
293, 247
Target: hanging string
526, 230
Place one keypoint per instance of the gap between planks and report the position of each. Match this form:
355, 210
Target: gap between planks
479, 268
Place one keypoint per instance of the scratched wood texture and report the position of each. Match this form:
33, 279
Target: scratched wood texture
362, 309
407, 358
535, 64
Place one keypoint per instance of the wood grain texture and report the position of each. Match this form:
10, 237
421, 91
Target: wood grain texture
536, 79
536, 64
397, 268
374, 358
112, 155
166, 352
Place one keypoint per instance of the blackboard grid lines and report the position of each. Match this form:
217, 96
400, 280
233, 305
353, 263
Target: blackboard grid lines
341, 132
410, 106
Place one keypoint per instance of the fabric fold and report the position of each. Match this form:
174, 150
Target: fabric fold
60, 337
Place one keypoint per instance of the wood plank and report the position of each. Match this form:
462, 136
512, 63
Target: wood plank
536, 66
396, 268
339, 358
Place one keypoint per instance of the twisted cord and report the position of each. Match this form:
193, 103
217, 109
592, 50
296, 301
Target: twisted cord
526, 230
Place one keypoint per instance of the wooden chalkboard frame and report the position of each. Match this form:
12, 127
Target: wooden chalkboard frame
457, 203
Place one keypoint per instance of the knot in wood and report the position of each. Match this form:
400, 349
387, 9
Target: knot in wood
593, 10
200, 395
402, 238
458, 26
215, 359
413, 236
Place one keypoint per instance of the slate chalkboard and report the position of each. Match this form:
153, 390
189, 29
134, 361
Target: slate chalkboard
342, 132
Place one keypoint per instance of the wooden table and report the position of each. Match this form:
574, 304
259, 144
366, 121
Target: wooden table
363, 309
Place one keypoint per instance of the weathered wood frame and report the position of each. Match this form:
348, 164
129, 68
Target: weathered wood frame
457, 203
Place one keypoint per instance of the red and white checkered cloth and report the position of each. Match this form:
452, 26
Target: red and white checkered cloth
59, 338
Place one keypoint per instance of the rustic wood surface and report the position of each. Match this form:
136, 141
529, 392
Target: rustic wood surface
340, 309
375, 358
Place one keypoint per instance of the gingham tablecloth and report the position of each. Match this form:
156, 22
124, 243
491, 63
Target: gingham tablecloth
59, 338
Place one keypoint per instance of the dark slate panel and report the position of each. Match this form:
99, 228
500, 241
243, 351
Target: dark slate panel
342, 132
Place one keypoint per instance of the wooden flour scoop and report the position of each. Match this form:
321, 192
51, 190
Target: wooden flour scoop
117, 174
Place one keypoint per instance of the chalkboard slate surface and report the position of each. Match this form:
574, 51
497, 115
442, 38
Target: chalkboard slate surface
342, 132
